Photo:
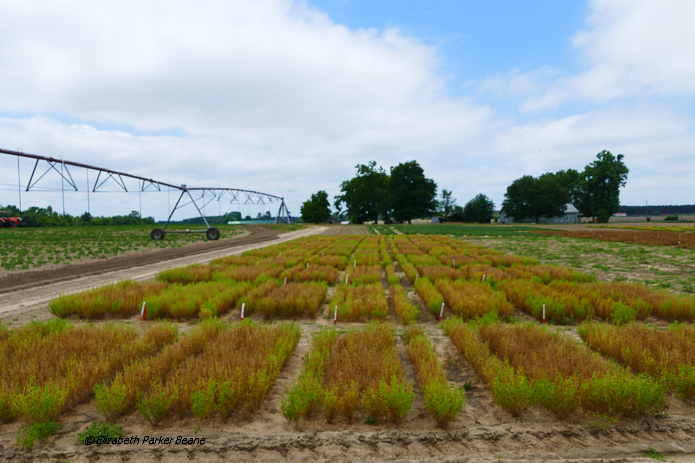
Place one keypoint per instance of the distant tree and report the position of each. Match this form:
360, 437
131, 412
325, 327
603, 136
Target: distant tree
365, 196
535, 197
412, 194
446, 206
479, 209
604, 178
317, 209
248, 217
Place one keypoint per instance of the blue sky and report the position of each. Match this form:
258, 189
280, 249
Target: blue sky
287, 96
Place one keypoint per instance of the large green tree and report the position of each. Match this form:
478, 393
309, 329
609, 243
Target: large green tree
365, 196
412, 194
480, 209
535, 197
603, 179
317, 209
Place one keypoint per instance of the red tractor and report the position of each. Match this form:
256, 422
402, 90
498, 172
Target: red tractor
10, 222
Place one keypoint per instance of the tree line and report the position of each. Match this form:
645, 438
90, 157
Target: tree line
402, 194
47, 217
595, 192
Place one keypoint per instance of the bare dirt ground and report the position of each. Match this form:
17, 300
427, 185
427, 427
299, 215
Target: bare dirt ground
482, 433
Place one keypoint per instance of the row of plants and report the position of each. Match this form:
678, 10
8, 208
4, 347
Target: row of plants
526, 365
442, 401
566, 295
667, 356
348, 373
259, 279
231, 376
50, 367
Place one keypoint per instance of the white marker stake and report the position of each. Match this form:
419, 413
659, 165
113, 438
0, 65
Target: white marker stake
323, 254
441, 312
335, 315
143, 312
242, 310
453, 262
307, 265
483, 278
347, 277
354, 263
285, 280
543, 313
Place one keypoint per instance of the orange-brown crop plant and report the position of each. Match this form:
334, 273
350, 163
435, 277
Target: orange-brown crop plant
473, 299
117, 397
317, 273
121, 300
365, 363
355, 302
406, 310
49, 370
248, 273
184, 275
364, 275
232, 375
664, 355
293, 300
439, 272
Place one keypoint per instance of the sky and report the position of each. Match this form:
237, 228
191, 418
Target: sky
288, 96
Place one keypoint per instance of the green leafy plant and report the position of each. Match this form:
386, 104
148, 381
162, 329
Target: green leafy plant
28, 435
105, 429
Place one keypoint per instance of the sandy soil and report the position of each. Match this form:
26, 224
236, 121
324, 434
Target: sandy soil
482, 433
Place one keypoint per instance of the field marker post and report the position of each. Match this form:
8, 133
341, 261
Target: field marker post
483, 278
285, 281
354, 263
335, 315
243, 304
307, 265
347, 277
544, 314
441, 312
143, 312
453, 263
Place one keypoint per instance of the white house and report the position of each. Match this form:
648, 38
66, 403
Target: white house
571, 216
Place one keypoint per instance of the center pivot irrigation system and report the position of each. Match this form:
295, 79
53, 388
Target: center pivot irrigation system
60, 166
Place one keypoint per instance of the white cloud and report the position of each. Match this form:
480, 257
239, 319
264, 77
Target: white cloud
271, 95
631, 48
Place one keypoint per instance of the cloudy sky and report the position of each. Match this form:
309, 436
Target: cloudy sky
286, 96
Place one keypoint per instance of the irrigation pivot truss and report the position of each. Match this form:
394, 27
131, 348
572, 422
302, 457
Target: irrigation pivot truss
207, 195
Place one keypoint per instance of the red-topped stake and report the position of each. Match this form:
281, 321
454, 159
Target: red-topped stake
544, 314
441, 312
143, 312
243, 304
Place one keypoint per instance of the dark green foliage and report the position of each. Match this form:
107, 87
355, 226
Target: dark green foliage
317, 209
603, 179
105, 429
366, 195
479, 209
412, 194
535, 197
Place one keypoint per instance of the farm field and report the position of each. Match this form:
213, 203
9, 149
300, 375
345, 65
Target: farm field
42, 248
383, 381
661, 236
658, 267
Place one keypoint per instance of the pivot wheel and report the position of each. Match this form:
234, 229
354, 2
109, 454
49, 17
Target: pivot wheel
212, 234
157, 234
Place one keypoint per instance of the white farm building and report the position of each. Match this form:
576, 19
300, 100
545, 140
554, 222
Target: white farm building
571, 216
